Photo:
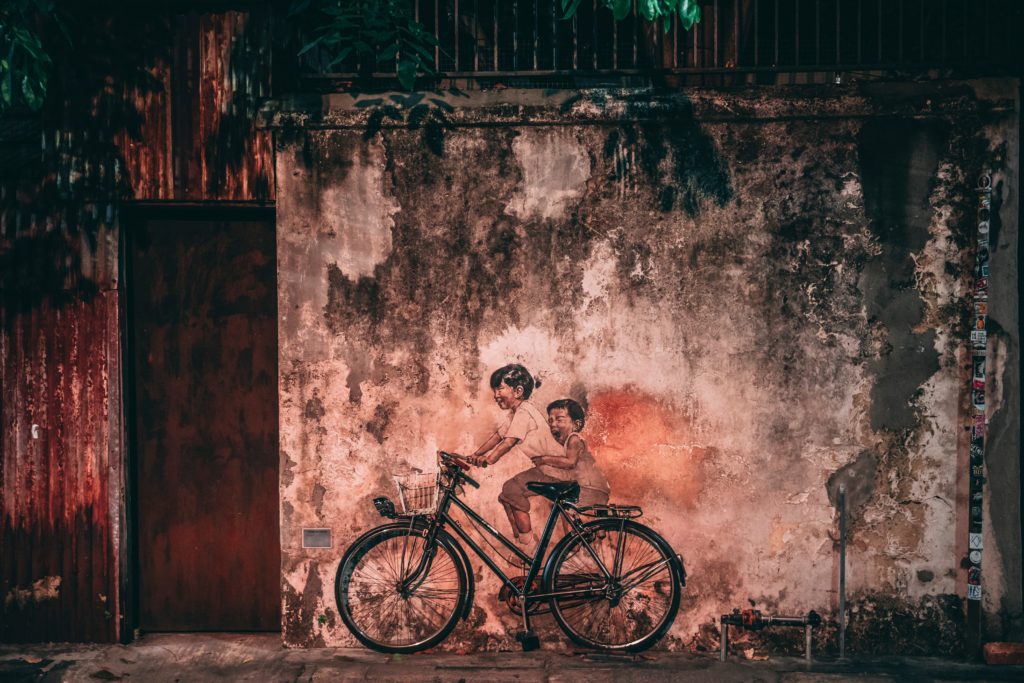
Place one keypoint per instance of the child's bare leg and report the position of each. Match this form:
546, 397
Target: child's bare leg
514, 496
521, 521
508, 513
517, 519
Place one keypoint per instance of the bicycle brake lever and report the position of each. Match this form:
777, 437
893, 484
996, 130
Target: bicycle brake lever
455, 460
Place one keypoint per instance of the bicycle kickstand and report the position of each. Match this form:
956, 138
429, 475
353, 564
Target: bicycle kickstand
528, 639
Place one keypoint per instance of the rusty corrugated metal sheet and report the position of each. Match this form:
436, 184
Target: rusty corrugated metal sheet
61, 455
60, 448
196, 139
179, 126
185, 134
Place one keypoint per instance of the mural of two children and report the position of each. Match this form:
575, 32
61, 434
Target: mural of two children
553, 444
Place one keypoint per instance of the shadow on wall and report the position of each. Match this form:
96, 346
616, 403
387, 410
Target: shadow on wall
898, 160
680, 161
229, 141
59, 204
418, 111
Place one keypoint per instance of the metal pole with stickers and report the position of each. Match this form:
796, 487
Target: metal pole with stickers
979, 342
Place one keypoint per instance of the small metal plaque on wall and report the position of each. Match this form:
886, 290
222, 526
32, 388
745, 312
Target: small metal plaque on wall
316, 538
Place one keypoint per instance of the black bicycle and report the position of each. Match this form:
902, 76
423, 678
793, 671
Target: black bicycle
611, 583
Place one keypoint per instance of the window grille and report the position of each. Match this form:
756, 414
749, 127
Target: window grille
528, 38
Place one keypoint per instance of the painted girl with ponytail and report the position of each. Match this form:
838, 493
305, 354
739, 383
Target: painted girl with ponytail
526, 429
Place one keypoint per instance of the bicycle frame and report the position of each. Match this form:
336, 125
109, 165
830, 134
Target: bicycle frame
443, 519
557, 579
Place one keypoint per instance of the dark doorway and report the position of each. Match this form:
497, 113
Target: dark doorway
203, 342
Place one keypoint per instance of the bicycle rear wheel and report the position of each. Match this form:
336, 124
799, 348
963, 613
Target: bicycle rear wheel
372, 603
632, 610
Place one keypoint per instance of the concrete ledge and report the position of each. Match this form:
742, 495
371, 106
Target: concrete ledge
510, 106
1004, 653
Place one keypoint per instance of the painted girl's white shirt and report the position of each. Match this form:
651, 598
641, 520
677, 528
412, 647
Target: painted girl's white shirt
530, 426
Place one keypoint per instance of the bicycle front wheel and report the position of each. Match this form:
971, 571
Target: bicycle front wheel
631, 610
381, 613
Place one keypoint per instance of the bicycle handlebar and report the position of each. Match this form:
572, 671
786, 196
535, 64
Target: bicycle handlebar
462, 466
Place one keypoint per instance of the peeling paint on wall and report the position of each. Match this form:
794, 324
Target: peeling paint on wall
46, 588
356, 213
749, 310
555, 169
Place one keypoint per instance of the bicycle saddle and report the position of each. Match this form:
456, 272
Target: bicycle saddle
558, 490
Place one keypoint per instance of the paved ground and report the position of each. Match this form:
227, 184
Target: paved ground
225, 657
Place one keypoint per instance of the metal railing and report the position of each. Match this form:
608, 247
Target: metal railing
500, 38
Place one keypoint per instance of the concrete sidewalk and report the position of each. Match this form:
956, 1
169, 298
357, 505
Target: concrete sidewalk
233, 657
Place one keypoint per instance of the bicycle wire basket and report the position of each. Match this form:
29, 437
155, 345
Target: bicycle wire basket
417, 493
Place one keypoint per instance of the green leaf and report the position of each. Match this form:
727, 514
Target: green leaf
6, 93
407, 73
689, 13
569, 8
383, 30
63, 28
28, 92
425, 52
650, 9
621, 8
340, 57
343, 23
298, 7
309, 46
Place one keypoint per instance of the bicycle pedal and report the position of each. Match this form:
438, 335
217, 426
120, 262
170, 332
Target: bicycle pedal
506, 595
528, 640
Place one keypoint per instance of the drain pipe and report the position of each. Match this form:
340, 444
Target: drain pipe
842, 571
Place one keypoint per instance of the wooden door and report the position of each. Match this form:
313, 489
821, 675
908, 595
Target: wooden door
203, 316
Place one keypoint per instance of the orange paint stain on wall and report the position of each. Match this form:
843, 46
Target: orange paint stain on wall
645, 447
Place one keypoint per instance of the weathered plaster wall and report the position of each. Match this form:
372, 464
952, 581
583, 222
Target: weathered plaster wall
757, 295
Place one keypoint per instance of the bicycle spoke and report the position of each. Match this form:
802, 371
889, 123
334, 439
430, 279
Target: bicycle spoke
643, 573
633, 605
374, 601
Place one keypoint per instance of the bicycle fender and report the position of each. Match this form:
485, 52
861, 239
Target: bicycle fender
681, 568
420, 525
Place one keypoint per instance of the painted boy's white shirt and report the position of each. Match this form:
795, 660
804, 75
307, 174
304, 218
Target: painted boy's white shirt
530, 426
